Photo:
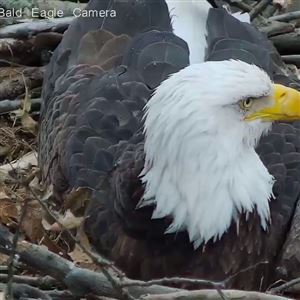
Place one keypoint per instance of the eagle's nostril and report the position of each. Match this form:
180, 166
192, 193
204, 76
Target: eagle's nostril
283, 95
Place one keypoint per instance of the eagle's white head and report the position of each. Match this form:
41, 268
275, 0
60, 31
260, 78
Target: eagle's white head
202, 126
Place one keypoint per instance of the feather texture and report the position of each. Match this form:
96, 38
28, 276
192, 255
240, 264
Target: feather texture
96, 87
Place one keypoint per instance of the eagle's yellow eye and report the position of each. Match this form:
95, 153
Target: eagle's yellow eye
246, 104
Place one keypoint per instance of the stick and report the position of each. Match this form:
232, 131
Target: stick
81, 281
28, 51
276, 28
45, 282
213, 295
288, 43
24, 291
10, 275
239, 4
7, 106
12, 82
291, 59
29, 29
282, 288
286, 17
17, 51
258, 9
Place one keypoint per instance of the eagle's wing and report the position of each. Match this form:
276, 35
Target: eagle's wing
228, 38
95, 89
128, 17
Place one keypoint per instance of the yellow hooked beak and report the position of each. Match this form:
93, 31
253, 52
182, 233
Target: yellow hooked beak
286, 106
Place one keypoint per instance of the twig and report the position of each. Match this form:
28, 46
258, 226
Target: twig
213, 295
96, 258
283, 287
9, 294
82, 282
288, 43
26, 292
276, 28
179, 280
115, 283
286, 17
272, 10
63, 295
12, 82
3, 269
239, 4
19, 51
7, 63
45, 282
79, 281
173, 280
258, 9
291, 59
29, 29
243, 271
7, 106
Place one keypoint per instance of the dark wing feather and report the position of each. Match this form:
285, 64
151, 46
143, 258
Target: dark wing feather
156, 53
228, 38
102, 47
132, 17
94, 93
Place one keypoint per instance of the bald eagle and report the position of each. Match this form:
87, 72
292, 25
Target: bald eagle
173, 135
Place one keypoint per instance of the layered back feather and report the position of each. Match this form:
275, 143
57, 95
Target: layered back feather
96, 86
228, 38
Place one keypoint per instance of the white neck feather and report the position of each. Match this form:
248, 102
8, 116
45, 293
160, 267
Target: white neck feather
189, 23
199, 168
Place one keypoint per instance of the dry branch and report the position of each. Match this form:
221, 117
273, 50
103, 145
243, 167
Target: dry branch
29, 29
81, 281
44, 282
292, 59
213, 295
284, 287
7, 106
23, 291
13, 81
258, 9
276, 28
17, 51
11, 260
24, 162
29, 52
272, 10
288, 43
239, 4
286, 17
